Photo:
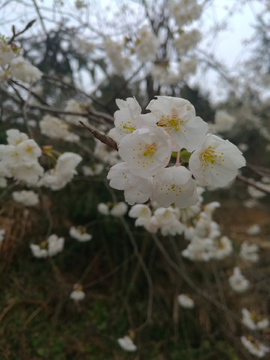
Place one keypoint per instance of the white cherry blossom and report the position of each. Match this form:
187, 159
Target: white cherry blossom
178, 118
136, 188
199, 249
28, 198
127, 344
55, 245
77, 295
146, 150
103, 209
6, 53
254, 346
255, 229
185, 301
237, 281
146, 45
129, 118
249, 252
79, 233
119, 209
216, 161
14, 137
24, 71
175, 185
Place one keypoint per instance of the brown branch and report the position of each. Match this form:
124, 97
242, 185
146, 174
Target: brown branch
101, 137
252, 183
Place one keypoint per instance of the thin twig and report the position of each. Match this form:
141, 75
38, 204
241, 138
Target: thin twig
101, 137
252, 183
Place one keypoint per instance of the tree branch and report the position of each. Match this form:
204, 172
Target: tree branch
101, 137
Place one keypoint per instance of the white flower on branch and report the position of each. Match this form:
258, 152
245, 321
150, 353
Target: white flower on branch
216, 161
187, 40
249, 252
254, 346
94, 170
55, 128
146, 150
255, 229
178, 118
223, 121
254, 321
77, 294
79, 233
136, 188
24, 71
129, 118
114, 51
74, 106
185, 11
14, 137
237, 281
6, 53
199, 249
103, 209
146, 45
127, 344
63, 172
119, 209
175, 185
27, 198
185, 301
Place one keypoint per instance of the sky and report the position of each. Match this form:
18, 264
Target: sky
227, 46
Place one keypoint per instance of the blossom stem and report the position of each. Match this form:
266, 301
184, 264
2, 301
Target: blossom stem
178, 159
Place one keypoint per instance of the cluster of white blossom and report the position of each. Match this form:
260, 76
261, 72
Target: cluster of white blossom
77, 294
237, 281
27, 198
74, 106
62, 173
127, 344
114, 51
185, 301
93, 170
117, 210
187, 67
164, 75
254, 346
50, 247
146, 142
79, 233
56, 128
187, 40
17, 66
249, 252
146, 44
223, 122
19, 159
254, 229
185, 11
254, 321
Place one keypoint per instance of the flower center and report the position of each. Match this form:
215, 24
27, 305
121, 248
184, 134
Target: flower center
208, 155
170, 122
150, 149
